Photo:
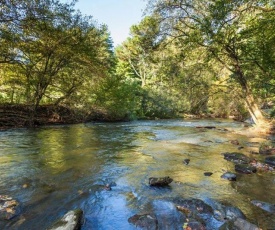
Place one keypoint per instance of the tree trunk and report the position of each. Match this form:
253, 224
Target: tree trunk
253, 109
255, 112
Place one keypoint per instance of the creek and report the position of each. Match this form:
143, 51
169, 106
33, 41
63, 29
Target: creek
51, 170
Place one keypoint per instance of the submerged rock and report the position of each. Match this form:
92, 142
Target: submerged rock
194, 224
238, 224
144, 221
270, 160
70, 221
208, 173
237, 158
200, 215
9, 208
186, 161
160, 181
193, 205
229, 176
267, 148
263, 167
245, 168
223, 212
168, 215
206, 127
234, 142
264, 205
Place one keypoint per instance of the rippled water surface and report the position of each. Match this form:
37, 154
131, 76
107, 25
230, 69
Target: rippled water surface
52, 170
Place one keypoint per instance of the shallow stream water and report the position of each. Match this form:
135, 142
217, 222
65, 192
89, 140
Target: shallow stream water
51, 170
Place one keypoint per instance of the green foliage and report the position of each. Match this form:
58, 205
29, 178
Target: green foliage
234, 35
55, 52
158, 102
116, 98
194, 56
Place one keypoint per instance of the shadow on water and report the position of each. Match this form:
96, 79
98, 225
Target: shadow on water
52, 170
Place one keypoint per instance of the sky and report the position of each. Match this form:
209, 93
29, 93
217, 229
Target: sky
118, 15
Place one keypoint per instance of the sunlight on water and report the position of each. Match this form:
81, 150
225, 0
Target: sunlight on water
51, 170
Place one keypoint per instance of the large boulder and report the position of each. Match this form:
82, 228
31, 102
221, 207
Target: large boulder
70, 221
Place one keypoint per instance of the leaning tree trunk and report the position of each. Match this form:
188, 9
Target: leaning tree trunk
256, 114
254, 110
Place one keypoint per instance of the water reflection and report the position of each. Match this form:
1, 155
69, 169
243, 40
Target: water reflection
51, 170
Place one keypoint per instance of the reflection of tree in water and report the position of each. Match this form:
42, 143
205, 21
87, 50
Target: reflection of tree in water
66, 166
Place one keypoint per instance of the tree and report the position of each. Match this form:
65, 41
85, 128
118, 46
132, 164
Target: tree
223, 29
137, 50
51, 50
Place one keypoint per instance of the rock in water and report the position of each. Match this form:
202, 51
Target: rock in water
245, 168
144, 221
70, 221
264, 205
235, 142
270, 160
160, 181
237, 158
208, 173
229, 176
267, 148
9, 208
186, 161
238, 224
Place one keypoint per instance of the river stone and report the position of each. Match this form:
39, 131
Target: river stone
208, 173
270, 160
144, 221
245, 169
195, 225
223, 212
168, 215
9, 208
194, 205
235, 142
186, 161
160, 181
206, 127
264, 205
238, 224
267, 148
229, 176
237, 158
263, 167
70, 221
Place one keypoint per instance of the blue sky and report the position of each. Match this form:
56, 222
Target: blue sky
118, 15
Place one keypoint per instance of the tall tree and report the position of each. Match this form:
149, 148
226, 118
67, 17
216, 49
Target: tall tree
54, 50
223, 29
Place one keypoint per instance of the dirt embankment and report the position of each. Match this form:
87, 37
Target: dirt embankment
17, 116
